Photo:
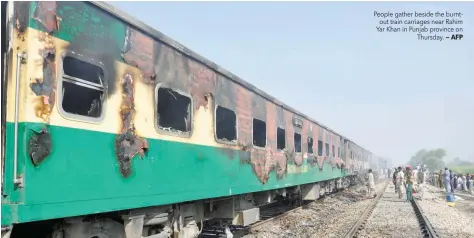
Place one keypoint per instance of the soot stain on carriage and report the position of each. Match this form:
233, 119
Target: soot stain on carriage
40, 145
21, 16
106, 56
128, 143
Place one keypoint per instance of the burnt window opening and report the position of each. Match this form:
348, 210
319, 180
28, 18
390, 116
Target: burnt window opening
259, 133
226, 124
281, 139
320, 148
310, 145
83, 90
174, 111
327, 149
333, 150
297, 143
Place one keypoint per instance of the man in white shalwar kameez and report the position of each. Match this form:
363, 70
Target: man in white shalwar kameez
371, 187
399, 182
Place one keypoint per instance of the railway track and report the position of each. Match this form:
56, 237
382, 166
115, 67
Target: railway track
425, 226
267, 215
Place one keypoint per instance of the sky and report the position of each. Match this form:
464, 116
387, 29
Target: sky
388, 92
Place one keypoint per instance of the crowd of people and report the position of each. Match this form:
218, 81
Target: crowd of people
404, 179
450, 181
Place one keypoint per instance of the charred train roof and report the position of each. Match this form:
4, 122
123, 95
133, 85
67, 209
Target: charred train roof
176, 45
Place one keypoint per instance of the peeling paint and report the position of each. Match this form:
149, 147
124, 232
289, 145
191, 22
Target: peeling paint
203, 84
45, 14
128, 144
139, 51
45, 87
39, 146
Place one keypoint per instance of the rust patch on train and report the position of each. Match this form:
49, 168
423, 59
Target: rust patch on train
128, 143
45, 87
139, 51
40, 145
203, 84
45, 14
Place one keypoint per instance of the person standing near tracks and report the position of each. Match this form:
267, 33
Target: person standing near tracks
399, 182
394, 179
440, 179
371, 185
447, 180
410, 180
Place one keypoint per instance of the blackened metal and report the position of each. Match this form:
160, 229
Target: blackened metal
40, 145
225, 93
45, 14
191, 54
21, 15
45, 87
92, 41
128, 144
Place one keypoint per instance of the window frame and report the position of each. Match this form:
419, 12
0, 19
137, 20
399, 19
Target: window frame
266, 135
284, 137
294, 142
83, 83
236, 127
312, 145
187, 134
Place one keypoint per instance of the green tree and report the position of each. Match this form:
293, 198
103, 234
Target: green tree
432, 158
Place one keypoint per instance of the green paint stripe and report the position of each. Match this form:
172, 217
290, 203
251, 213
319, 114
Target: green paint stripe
81, 176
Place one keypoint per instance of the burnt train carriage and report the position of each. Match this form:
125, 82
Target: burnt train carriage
105, 115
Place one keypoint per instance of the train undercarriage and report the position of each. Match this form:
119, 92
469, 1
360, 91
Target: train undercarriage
182, 220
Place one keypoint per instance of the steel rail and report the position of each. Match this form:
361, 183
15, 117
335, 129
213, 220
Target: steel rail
360, 223
426, 229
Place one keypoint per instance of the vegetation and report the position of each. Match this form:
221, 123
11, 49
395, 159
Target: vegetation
434, 160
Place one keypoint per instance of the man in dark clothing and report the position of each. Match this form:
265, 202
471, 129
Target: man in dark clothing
468, 182
394, 177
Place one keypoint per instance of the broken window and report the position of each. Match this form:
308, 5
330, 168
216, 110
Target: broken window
226, 124
320, 148
174, 111
297, 142
281, 141
310, 145
327, 149
259, 133
82, 88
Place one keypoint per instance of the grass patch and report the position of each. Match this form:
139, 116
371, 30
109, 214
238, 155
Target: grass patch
463, 169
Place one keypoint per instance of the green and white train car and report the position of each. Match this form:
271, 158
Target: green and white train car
112, 129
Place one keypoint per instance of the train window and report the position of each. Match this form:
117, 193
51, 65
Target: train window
310, 145
83, 91
281, 140
173, 111
327, 149
333, 150
259, 133
226, 124
320, 148
297, 137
